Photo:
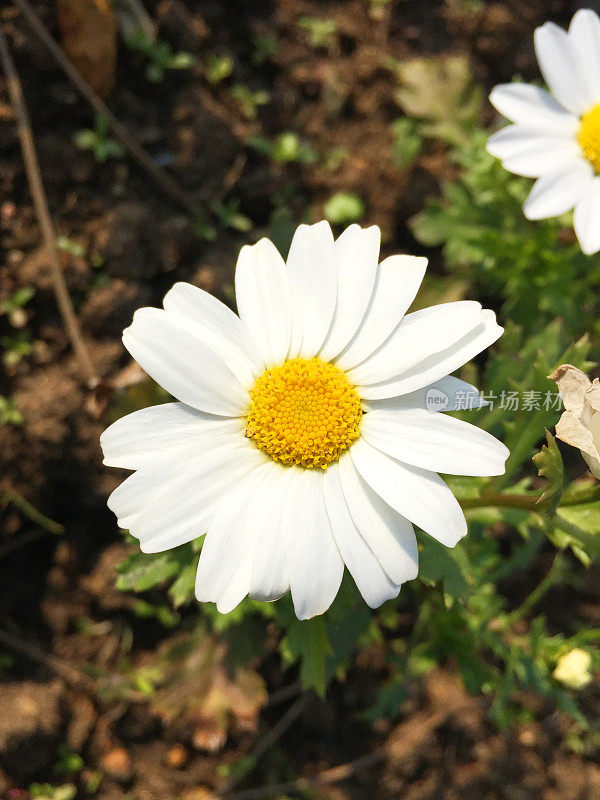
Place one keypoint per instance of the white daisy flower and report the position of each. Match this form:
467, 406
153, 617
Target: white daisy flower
556, 137
302, 441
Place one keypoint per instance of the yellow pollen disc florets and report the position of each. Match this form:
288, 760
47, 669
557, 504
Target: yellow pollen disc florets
304, 412
588, 136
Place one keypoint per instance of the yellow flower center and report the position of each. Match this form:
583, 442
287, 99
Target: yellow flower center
588, 136
304, 412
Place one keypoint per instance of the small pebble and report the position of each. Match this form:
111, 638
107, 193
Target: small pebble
117, 765
177, 756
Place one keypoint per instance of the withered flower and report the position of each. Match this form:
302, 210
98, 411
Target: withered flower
579, 425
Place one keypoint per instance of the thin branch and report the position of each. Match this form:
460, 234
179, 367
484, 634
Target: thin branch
43, 214
159, 176
65, 671
30, 511
270, 740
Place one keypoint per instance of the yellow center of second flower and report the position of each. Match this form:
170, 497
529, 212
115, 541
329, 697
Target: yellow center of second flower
304, 412
588, 136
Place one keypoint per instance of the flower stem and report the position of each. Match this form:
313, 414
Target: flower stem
530, 502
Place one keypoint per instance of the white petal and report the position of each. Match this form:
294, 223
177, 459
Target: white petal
371, 580
270, 578
584, 33
587, 219
174, 501
420, 335
264, 300
219, 326
560, 69
396, 285
421, 496
175, 355
530, 152
357, 255
313, 279
389, 535
225, 567
314, 563
447, 394
440, 364
559, 189
434, 442
139, 439
534, 107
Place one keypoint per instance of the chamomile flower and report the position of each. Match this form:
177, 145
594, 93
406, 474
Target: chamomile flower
556, 136
302, 440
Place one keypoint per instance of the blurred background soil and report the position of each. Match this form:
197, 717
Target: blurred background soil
124, 244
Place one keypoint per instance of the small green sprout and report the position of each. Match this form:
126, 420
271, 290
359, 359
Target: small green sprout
44, 791
99, 142
344, 208
9, 413
249, 100
335, 158
68, 762
322, 33
12, 306
229, 215
15, 348
288, 147
265, 47
218, 68
159, 54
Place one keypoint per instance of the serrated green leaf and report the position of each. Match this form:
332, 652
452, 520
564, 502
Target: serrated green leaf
450, 566
549, 464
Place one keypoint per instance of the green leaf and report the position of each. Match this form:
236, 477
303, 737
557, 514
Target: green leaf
307, 640
182, 589
343, 209
142, 571
448, 566
407, 142
549, 464
440, 92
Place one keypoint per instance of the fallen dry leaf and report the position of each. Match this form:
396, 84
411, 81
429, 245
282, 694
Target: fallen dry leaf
89, 38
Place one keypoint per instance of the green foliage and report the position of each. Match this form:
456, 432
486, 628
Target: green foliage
218, 68
16, 347
536, 269
68, 762
9, 413
322, 33
230, 216
248, 100
550, 465
287, 148
99, 142
265, 47
343, 209
160, 57
44, 791
408, 142
441, 96
12, 305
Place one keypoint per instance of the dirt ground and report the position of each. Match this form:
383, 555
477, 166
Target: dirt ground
67, 629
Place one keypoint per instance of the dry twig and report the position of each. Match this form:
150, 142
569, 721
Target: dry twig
270, 739
404, 741
69, 674
43, 214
